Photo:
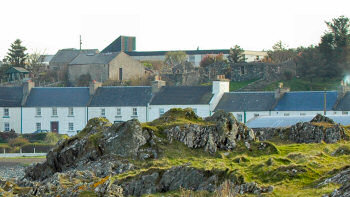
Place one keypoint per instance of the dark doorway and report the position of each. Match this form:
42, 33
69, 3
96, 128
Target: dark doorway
121, 74
54, 127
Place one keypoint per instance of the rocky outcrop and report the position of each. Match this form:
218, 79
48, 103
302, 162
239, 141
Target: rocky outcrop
319, 129
224, 134
343, 178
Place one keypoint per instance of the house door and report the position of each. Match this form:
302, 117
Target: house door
54, 127
121, 74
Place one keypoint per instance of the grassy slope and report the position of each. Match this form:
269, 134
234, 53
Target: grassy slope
306, 85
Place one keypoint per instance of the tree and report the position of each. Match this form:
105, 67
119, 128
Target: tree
236, 55
174, 58
280, 53
34, 64
16, 56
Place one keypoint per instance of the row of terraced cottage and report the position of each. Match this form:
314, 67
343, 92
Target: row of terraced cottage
66, 110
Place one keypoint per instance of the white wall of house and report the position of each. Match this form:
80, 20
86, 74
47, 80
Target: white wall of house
126, 113
218, 90
154, 111
30, 119
250, 115
12, 121
305, 113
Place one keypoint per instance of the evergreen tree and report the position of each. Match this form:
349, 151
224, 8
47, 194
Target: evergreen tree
236, 55
16, 56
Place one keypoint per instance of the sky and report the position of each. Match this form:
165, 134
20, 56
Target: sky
45, 26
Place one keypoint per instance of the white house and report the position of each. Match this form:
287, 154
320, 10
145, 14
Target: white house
61, 110
10, 108
247, 105
202, 99
120, 103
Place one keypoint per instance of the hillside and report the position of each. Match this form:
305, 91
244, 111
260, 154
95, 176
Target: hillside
181, 154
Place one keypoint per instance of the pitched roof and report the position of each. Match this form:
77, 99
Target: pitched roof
16, 70
67, 55
99, 58
246, 101
122, 96
344, 103
58, 97
11, 96
188, 52
306, 101
183, 95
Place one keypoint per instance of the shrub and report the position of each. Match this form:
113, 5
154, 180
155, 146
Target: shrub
51, 138
35, 137
6, 136
18, 141
39, 148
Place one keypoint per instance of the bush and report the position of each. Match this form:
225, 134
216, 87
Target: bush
35, 137
53, 138
39, 148
6, 136
18, 141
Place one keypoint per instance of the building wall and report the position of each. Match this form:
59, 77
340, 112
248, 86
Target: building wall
79, 119
97, 72
304, 113
153, 110
126, 113
219, 88
131, 68
14, 119
250, 115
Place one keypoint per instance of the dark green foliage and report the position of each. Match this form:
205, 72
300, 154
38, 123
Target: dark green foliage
16, 56
6, 136
236, 55
35, 137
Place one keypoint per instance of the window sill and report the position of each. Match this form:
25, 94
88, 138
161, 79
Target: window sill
134, 116
119, 116
54, 116
71, 116
38, 116
6, 116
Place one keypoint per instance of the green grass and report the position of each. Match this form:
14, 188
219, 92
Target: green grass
317, 84
241, 84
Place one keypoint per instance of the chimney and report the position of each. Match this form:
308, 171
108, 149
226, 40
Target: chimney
280, 91
27, 87
93, 87
220, 85
157, 84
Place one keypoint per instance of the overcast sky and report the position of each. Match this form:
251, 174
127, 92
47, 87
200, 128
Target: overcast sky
49, 25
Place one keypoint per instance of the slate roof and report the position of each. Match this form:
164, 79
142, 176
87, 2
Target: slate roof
183, 95
100, 58
246, 101
16, 70
122, 96
344, 103
58, 97
188, 52
67, 55
11, 96
306, 101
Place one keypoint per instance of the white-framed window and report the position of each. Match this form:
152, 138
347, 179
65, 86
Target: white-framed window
256, 115
71, 126
286, 114
54, 111
38, 126
119, 111
345, 113
38, 111
194, 110
303, 114
239, 117
161, 111
6, 126
103, 112
134, 111
6, 112
70, 111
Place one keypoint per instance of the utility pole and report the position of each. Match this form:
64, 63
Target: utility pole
80, 42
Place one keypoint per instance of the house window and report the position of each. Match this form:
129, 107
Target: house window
256, 115
242, 70
345, 113
38, 126
103, 112
54, 111
71, 126
6, 112
134, 111
303, 114
194, 110
38, 111
70, 111
7, 126
239, 117
119, 111
286, 114
161, 111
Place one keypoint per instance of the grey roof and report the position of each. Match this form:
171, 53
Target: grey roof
100, 58
344, 103
306, 101
286, 121
188, 52
11, 96
67, 55
183, 95
246, 101
58, 97
122, 96
16, 70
